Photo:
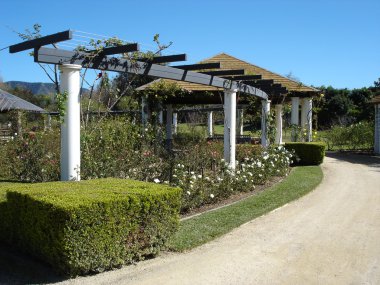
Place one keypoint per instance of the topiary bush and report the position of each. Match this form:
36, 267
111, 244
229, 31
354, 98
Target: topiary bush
307, 153
89, 226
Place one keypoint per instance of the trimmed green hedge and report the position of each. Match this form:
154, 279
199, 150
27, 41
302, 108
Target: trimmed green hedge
307, 153
89, 226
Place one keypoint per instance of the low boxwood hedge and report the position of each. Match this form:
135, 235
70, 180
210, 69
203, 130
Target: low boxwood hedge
307, 153
89, 226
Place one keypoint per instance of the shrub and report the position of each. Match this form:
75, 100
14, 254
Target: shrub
307, 153
202, 186
90, 226
355, 136
247, 150
33, 157
5, 223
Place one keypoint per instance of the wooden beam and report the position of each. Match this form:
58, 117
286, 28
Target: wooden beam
199, 66
272, 90
164, 58
256, 83
265, 81
117, 49
243, 77
225, 72
57, 56
36, 43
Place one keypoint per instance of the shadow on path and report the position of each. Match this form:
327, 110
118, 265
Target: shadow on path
19, 268
364, 159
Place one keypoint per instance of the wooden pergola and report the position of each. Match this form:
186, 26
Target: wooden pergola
279, 88
71, 62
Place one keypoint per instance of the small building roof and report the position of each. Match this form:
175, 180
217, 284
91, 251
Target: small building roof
229, 62
11, 102
375, 100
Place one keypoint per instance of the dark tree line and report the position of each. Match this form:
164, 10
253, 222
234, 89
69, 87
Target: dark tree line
344, 106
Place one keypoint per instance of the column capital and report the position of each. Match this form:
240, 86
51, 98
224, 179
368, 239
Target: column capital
230, 91
63, 67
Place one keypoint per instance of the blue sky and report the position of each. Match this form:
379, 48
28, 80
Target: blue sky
326, 42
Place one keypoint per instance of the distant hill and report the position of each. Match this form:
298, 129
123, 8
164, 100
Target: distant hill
37, 88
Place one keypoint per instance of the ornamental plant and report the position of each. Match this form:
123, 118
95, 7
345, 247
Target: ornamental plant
202, 186
116, 147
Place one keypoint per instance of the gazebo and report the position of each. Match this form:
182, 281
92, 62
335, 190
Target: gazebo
279, 88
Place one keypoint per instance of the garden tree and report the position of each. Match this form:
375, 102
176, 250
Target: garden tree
376, 88
361, 109
340, 106
377, 83
334, 107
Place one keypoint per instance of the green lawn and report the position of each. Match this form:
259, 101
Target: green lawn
208, 226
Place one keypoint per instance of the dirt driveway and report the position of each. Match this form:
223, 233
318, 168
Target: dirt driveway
331, 236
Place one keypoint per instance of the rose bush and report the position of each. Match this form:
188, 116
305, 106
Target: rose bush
116, 147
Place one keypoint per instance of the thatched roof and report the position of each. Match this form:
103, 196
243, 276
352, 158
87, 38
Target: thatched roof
11, 102
230, 62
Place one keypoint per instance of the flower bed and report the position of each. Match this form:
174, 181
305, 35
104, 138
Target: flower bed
204, 186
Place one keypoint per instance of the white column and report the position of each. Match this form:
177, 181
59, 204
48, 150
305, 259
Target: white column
230, 127
306, 117
264, 118
175, 123
169, 120
70, 128
377, 129
160, 115
144, 112
209, 124
294, 120
240, 122
278, 124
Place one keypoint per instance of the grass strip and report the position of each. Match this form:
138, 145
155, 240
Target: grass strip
208, 226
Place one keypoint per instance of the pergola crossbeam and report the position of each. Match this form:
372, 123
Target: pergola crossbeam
57, 56
164, 58
225, 72
117, 49
199, 66
47, 40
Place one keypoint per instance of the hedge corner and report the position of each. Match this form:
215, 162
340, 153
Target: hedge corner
89, 226
307, 153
